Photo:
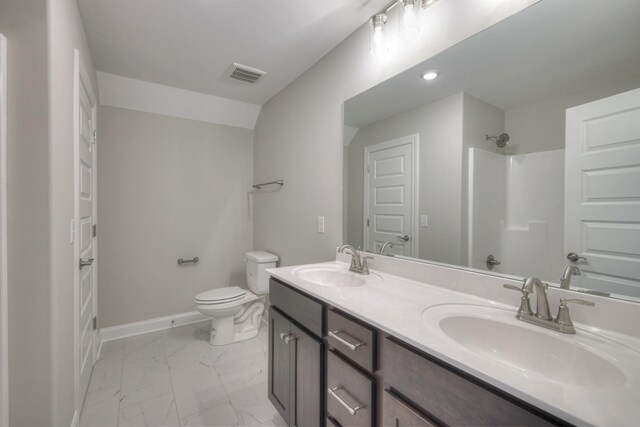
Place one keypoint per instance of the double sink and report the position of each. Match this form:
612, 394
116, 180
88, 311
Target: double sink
493, 339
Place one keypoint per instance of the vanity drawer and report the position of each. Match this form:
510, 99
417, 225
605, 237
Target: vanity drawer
447, 397
349, 394
354, 340
305, 310
397, 412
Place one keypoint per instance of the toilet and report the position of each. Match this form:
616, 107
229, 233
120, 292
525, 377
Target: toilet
236, 312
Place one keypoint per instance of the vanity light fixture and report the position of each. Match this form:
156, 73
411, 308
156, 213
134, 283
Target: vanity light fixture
427, 3
430, 75
408, 24
377, 35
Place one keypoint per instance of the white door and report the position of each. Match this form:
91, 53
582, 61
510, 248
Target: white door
602, 192
84, 138
389, 203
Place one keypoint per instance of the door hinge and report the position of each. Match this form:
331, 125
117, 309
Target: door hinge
367, 168
367, 222
95, 322
95, 230
95, 136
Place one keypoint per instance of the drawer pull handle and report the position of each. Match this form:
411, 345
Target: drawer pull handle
353, 347
406, 406
332, 392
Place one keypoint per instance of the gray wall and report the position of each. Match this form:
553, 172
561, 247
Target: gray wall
65, 34
298, 136
541, 127
24, 23
439, 126
168, 188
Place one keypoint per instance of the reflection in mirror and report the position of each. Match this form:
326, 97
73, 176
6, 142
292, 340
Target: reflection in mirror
521, 158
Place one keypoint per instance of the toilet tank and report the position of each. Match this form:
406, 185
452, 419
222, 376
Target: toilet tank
257, 264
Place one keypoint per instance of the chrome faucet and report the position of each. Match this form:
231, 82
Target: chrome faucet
358, 264
542, 317
384, 246
542, 303
565, 280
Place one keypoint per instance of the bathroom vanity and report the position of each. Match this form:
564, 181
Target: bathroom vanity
384, 349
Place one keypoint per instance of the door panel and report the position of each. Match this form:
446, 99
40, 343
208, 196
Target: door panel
280, 364
389, 207
602, 187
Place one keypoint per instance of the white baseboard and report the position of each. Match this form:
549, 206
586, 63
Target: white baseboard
151, 325
75, 422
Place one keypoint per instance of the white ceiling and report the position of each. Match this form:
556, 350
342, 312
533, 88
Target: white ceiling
551, 49
190, 44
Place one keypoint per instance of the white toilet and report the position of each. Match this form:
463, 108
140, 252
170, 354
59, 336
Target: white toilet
236, 312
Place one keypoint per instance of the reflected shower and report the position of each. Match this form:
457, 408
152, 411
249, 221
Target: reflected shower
501, 140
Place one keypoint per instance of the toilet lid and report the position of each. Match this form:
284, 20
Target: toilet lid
221, 295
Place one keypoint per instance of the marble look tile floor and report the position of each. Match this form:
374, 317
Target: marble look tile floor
175, 378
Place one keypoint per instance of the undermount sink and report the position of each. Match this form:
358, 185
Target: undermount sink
335, 276
495, 335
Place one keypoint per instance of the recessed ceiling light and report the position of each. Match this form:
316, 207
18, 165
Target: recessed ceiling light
430, 75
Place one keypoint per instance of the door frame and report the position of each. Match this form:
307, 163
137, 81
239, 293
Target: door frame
414, 140
81, 77
4, 292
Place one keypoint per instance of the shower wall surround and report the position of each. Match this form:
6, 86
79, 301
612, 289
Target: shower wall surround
517, 213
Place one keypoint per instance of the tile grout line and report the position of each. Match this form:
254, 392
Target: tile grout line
124, 352
173, 389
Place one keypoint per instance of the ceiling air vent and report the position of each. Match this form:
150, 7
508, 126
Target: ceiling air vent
245, 74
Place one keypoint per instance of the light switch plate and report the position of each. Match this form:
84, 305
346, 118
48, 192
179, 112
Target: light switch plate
424, 221
321, 224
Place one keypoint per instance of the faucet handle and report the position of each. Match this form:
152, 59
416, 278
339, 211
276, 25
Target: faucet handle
525, 305
565, 301
365, 264
515, 288
563, 319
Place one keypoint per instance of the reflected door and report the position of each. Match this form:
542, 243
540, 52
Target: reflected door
602, 188
389, 192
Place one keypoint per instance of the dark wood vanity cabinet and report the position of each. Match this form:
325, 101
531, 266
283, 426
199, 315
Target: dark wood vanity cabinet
296, 363
420, 387
329, 368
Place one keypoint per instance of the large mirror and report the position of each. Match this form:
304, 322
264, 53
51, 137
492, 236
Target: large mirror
522, 157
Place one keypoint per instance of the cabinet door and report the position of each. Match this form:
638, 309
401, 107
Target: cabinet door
280, 364
308, 381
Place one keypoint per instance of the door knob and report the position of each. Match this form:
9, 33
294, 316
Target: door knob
405, 238
574, 257
84, 263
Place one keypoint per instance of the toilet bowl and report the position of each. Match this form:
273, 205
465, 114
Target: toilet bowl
236, 312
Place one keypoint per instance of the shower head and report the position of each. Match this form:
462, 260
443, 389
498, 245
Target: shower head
501, 140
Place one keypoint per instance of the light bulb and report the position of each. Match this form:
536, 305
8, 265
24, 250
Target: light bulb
408, 24
378, 43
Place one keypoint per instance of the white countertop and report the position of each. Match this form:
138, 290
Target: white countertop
396, 305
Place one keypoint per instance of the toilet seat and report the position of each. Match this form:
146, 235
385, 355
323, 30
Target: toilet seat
220, 295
